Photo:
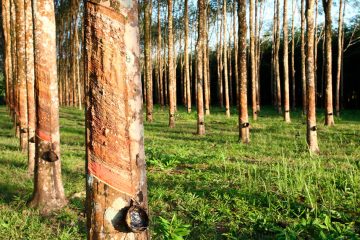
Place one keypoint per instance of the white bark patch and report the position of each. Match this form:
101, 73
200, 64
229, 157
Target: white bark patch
112, 211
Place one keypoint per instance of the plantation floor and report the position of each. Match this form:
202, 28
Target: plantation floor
212, 186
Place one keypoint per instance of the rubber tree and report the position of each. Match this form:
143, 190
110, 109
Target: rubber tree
340, 56
303, 58
48, 190
116, 192
310, 80
186, 59
21, 73
329, 115
30, 81
171, 71
200, 68
243, 113
252, 58
286, 65
148, 61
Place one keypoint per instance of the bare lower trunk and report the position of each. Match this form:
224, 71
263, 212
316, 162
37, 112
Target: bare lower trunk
21, 73
329, 115
116, 197
172, 80
286, 66
48, 190
186, 52
30, 78
293, 105
148, 62
311, 108
226, 78
339, 58
200, 68
253, 60
303, 61
243, 115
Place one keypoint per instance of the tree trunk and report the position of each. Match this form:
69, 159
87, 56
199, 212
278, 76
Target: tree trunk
205, 63
187, 72
286, 66
329, 116
339, 58
311, 108
277, 62
48, 190
252, 59
116, 175
303, 60
148, 61
7, 53
21, 73
293, 105
226, 78
243, 115
160, 60
200, 68
30, 78
172, 81
236, 54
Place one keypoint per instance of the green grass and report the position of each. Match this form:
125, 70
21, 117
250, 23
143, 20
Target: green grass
269, 189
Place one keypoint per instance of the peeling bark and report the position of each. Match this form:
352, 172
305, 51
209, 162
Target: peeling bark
243, 115
48, 188
116, 175
310, 84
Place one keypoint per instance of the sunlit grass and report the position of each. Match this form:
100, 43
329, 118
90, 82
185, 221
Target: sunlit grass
271, 188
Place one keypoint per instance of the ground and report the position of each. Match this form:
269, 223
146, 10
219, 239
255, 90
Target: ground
209, 187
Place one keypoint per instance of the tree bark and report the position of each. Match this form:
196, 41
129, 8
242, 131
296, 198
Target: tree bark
329, 115
252, 59
277, 62
226, 78
148, 60
187, 71
311, 107
286, 66
236, 54
21, 73
293, 80
116, 175
160, 60
48, 188
340, 55
200, 68
303, 60
30, 78
243, 115
172, 81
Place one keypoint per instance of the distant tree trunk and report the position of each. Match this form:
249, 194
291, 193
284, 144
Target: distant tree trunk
160, 60
258, 27
116, 176
329, 115
205, 64
226, 78
243, 115
252, 60
48, 190
316, 50
303, 61
30, 78
172, 81
277, 62
21, 73
286, 66
200, 68
148, 62
220, 60
187, 71
7, 52
311, 107
236, 54
340, 55
293, 55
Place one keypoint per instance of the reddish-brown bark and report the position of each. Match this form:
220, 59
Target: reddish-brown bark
243, 115
172, 80
48, 190
116, 177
